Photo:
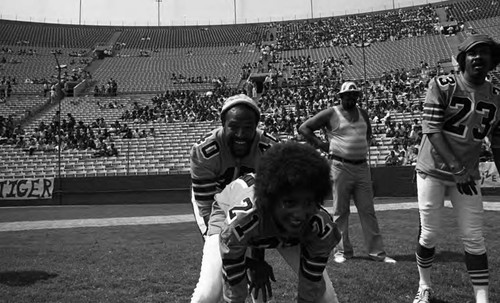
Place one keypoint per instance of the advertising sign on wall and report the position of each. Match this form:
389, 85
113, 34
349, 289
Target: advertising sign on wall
29, 188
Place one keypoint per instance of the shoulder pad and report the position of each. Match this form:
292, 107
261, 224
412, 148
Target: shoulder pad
269, 136
208, 146
496, 90
322, 226
263, 146
445, 81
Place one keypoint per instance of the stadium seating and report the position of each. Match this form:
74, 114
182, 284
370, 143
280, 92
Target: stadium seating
212, 51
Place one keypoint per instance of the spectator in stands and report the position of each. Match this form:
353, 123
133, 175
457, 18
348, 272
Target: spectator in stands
401, 159
56, 118
21, 142
115, 127
391, 159
32, 146
46, 88
102, 149
112, 150
152, 132
18, 131
128, 134
143, 134
411, 158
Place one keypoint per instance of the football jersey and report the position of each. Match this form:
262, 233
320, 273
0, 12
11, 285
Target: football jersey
242, 224
465, 115
213, 166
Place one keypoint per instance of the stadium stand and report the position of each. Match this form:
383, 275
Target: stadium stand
172, 82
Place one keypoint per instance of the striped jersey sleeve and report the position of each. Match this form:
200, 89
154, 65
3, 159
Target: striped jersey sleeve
204, 173
241, 223
434, 106
319, 240
495, 133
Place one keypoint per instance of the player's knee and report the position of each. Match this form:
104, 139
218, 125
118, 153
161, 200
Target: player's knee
428, 238
329, 296
474, 245
206, 295
205, 299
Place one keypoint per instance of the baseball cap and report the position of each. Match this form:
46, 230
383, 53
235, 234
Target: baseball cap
349, 87
240, 99
474, 40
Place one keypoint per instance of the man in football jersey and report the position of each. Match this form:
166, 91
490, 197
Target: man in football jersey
221, 156
348, 131
278, 207
459, 112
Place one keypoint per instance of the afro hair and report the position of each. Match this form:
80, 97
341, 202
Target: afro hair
289, 166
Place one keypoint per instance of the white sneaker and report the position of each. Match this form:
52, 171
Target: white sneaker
339, 259
423, 295
388, 260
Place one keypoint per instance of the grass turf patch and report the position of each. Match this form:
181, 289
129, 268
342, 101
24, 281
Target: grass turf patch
160, 263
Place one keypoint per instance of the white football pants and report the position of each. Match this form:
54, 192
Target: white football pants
469, 211
210, 283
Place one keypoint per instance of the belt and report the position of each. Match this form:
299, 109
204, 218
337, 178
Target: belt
355, 162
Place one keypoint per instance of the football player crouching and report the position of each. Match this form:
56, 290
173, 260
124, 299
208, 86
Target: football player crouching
279, 207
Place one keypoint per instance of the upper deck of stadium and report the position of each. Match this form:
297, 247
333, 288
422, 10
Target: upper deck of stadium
144, 60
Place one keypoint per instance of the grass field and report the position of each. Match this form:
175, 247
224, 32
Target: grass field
160, 263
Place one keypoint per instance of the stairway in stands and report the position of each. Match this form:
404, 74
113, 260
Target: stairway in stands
96, 63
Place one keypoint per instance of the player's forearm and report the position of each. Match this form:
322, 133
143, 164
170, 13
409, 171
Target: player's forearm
443, 149
235, 293
204, 208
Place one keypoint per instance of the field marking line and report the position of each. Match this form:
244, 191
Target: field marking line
154, 220
101, 222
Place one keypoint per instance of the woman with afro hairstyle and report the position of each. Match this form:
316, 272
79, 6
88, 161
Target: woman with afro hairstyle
279, 207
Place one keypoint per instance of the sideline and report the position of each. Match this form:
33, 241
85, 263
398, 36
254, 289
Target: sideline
152, 220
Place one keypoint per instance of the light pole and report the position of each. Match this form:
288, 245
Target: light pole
59, 99
158, 1
80, 14
312, 11
234, 6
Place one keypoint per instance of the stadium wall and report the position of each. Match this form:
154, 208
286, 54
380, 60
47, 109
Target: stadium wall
387, 182
113, 190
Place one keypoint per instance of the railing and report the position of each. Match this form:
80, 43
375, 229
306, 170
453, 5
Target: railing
176, 15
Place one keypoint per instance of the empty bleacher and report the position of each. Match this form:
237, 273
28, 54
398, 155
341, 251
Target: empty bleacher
191, 51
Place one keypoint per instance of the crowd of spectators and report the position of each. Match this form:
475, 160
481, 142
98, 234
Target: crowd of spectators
284, 108
71, 135
306, 87
79, 53
351, 29
181, 79
108, 89
6, 87
180, 106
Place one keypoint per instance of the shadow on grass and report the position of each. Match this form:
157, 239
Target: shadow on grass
24, 278
441, 256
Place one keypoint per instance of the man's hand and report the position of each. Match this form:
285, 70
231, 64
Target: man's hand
465, 183
260, 274
467, 188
